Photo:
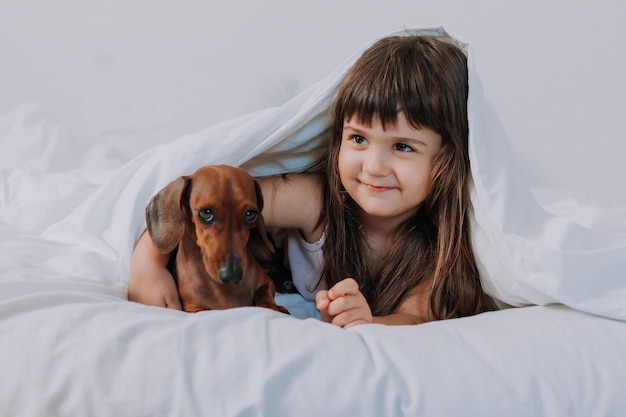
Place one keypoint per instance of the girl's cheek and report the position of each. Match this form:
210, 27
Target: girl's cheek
343, 164
348, 158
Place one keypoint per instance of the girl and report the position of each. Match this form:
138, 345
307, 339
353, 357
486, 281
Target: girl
378, 229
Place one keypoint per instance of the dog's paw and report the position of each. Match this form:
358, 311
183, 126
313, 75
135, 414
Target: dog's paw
282, 309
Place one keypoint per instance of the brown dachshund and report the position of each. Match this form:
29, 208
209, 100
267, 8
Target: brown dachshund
211, 222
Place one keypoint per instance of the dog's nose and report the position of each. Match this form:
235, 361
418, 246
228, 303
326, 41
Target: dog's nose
230, 271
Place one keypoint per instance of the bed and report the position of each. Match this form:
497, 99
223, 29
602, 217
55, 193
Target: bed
72, 344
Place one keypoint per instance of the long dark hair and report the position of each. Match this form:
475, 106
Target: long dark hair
426, 78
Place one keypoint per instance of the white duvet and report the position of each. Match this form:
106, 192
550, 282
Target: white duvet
71, 344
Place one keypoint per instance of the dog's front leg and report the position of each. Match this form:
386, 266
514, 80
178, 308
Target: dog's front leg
264, 297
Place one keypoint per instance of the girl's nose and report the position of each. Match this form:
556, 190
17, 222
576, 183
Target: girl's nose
376, 163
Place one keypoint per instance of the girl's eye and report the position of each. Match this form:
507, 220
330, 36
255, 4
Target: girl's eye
402, 147
358, 139
206, 216
250, 217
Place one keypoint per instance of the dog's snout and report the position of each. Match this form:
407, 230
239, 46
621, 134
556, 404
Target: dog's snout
230, 272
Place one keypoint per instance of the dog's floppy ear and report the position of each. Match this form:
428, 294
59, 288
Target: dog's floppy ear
261, 223
165, 216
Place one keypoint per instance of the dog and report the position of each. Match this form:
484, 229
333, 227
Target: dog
211, 222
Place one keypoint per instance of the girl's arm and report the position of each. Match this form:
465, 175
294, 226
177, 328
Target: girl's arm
293, 201
150, 281
413, 309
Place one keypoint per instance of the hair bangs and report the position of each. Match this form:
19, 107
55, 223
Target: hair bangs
391, 80
367, 98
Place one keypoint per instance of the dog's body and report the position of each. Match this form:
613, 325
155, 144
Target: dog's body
210, 221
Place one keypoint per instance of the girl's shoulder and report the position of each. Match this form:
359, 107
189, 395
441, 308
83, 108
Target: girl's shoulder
294, 201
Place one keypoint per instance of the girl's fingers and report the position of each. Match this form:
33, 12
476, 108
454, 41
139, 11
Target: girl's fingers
322, 300
354, 305
321, 303
348, 319
343, 305
344, 287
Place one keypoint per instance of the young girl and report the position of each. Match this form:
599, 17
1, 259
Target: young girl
379, 231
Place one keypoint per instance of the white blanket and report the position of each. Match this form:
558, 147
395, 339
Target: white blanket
81, 355
70, 340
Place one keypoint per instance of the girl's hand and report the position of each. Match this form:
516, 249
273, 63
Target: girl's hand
150, 281
155, 288
344, 305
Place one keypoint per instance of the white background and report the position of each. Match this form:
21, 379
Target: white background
553, 70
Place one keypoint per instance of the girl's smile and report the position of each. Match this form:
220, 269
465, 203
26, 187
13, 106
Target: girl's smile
387, 172
376, 189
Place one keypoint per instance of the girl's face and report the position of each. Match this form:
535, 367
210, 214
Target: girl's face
387, 172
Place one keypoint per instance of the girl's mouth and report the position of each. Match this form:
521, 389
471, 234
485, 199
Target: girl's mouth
377, 189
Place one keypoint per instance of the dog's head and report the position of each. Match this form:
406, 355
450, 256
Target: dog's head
223, 205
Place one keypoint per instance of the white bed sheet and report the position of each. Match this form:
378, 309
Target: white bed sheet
72, 353
71, 344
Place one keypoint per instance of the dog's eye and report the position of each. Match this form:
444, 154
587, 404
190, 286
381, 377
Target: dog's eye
250, 217
206, 216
